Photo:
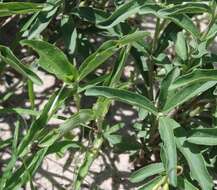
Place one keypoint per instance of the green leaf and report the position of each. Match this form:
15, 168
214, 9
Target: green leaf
123, 96
22, 174
130, 38
94, 82
62, 146
12, 8
69, 33
54, 102
119, 66
194, 158
168, 34
39, 21
120, 14
185, 94
77, 119
185, 184
152, 184
190, 7
142, 8
147, 171
167, 81
8, 57
186, 23
181, 46
106, 50
212, 32
203, 136
167, 136
7, 173
90, 14
196, 76
53, 60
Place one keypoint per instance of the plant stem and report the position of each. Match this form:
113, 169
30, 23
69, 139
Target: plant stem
151, 76
31, 94
89, 158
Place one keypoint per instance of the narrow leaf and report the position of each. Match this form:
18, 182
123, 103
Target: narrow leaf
190, 7
186, 93
167, 81
196, 76
194, 158
106, 50
8, 57
77, 119
147, 171
123, 96
11, 8
203, 136
167, 136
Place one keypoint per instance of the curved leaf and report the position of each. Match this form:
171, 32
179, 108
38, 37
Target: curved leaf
152, 184
194, 158
142, 7
123, 96
204, 136
90, 14
147, 171
190, 7
8, 57
53, 60
186, 93
79, 118
106, 50
196, 76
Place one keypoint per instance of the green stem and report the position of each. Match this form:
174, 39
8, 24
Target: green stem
90, 156
151, 75
31, 94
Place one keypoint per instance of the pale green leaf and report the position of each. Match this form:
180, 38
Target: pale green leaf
147, 171
123, 96
53, 60
196, 76
167, 136
203, 136
181, 46
8, 57
12, 8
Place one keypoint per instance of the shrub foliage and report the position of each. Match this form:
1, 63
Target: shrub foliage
172, 87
